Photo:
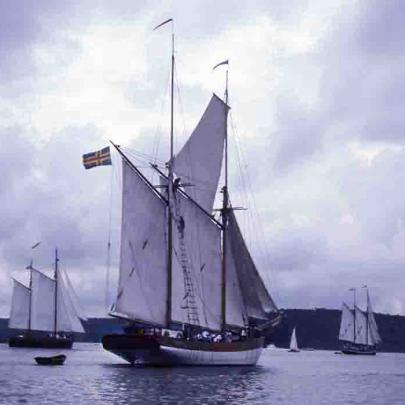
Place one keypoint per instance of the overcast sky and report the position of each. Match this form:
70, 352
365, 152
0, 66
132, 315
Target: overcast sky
316, 89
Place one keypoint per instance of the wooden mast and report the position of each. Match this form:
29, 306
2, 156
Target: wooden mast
30, 301
225, 203
354, 315
170, 189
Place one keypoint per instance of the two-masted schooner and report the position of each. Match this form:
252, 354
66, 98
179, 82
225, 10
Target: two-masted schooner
358, 329
188, 286
46, 312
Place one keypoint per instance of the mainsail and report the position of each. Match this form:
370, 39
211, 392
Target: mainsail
372, 324
257, 299
202, 247
199, 161
20, 304
236, 313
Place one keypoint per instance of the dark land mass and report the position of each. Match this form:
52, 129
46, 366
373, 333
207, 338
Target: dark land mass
316, 328
319, 329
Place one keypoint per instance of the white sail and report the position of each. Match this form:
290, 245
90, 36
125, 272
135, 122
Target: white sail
42, 302
67, 317
199, 161
293, 341
78, 309
361, 327
43, 315
372, 324
257, 299
202, 246
20, 303
142, 286
346, 332
235, 307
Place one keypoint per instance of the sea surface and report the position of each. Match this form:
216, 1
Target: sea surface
93, 376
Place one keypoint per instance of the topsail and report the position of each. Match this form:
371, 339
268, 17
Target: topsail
199, 162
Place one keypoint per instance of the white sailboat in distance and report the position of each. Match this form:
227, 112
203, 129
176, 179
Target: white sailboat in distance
188, 287
293, 342
46, 312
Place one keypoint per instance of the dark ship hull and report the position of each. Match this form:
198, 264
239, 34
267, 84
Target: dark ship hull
42, 342
160, 351
362, 350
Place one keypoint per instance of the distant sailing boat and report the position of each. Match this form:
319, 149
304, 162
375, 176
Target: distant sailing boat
358, 329
187, 284
293, 342
46, 311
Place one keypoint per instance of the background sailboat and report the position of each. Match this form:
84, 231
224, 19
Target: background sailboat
187, 282
293, 342
47, 311
358, 329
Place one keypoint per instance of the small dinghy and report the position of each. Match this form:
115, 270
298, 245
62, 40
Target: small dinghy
51, 361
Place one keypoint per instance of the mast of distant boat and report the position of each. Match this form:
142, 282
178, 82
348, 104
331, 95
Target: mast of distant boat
29, 267
364, 286
354, 314
55, 326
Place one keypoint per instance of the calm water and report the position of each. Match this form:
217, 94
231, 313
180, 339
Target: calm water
93, 376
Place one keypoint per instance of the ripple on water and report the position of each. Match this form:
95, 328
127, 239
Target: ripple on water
91, 375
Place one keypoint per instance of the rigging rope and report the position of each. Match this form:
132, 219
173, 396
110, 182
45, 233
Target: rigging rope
256, 221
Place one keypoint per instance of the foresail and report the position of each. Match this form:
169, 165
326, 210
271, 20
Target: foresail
142, 285
20, 302
346, 332
257, 299
200, 252
199, 161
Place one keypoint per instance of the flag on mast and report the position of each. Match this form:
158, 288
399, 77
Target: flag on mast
100, 158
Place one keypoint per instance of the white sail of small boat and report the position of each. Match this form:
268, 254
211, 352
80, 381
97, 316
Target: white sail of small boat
185, 277
358, 329
293, 342
46, 305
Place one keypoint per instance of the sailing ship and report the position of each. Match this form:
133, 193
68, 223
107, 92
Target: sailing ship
46, 312
358, 328
188, 286
293, 342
